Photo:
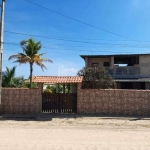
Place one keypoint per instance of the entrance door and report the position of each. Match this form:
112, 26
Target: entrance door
59, 102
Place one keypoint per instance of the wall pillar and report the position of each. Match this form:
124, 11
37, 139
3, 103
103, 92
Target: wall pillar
112, 62
40, 86
57, 86
74, 88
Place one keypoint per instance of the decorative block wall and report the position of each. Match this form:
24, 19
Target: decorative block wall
21, 100
113, 102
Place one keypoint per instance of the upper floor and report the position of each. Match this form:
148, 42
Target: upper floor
121, 65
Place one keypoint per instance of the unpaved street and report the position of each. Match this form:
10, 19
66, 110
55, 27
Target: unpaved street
81, 133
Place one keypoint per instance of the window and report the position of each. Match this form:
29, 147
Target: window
106, 64
94, 64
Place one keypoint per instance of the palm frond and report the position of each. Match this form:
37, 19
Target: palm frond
20, 61
42, 54
18, 56
8, 77
47, 60
43, 67
39, 63
22, 43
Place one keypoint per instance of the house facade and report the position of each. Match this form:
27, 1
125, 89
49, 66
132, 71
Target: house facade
130, 71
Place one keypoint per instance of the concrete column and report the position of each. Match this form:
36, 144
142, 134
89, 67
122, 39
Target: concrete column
112, 62
86, 61
74, 88
57, 85
40, 86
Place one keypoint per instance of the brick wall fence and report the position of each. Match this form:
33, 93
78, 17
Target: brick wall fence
113, 102
89, 101
21, 100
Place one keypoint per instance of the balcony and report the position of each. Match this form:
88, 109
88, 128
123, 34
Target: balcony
129, 71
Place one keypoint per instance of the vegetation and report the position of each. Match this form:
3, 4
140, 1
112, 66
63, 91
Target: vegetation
30, 55
27, 85
96, 78
47, 91
9, 79
60, 88
52, 88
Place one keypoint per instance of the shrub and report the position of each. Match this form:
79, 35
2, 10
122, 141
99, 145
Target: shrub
96, 78
47, 91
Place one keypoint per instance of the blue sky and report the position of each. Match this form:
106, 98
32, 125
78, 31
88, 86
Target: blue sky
129, 18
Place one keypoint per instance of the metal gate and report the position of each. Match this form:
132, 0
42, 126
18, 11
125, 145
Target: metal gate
59, 102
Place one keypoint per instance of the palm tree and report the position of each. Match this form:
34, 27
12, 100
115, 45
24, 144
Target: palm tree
9, 79
31, 56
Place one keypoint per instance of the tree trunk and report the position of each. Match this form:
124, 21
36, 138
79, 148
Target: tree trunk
31, 70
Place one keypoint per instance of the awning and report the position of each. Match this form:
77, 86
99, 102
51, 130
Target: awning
57, 79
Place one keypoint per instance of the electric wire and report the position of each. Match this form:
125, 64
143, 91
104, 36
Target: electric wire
85, 42
90, 25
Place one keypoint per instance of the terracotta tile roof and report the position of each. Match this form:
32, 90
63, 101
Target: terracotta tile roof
57, 79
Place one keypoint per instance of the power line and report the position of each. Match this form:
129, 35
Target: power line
52, 38
77, 50
81, 21
82, 38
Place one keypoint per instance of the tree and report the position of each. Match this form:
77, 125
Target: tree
9, 79
31, 56
27, 85
96, 78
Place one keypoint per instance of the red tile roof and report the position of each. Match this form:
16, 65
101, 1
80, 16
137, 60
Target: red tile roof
57, 79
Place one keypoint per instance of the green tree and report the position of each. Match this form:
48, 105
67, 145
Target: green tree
52, 88
9, 79
60, 88
27, 85
30, 48
96, 78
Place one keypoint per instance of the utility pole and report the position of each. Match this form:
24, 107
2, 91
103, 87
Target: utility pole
1, 42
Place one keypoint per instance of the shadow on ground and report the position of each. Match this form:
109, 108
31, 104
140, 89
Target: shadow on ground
50, 116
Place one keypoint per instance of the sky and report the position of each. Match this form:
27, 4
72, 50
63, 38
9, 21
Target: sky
92, 27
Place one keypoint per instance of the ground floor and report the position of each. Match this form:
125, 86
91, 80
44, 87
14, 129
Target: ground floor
133, 85
74, 133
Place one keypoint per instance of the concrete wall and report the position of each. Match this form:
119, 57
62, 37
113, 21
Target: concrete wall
21, 100
98, 60
144, 62
113, 102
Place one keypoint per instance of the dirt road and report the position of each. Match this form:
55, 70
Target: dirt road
82, 133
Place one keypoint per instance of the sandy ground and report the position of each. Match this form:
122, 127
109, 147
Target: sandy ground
74, 133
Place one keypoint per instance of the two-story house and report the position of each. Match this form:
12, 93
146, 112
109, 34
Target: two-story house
130, 71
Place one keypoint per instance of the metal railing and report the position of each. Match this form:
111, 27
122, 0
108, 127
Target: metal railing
127, 70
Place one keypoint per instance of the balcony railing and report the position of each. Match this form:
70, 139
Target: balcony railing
127, 70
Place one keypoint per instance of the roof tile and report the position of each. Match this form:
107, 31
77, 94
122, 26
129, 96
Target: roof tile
57, 79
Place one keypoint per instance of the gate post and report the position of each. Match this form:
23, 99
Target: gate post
40, 86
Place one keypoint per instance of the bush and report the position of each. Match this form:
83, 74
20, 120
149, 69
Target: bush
47, 91
96, 78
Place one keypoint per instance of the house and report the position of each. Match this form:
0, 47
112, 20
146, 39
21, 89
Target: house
130, 71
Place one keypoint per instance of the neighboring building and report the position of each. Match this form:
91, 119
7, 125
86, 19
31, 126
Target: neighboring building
130, 71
